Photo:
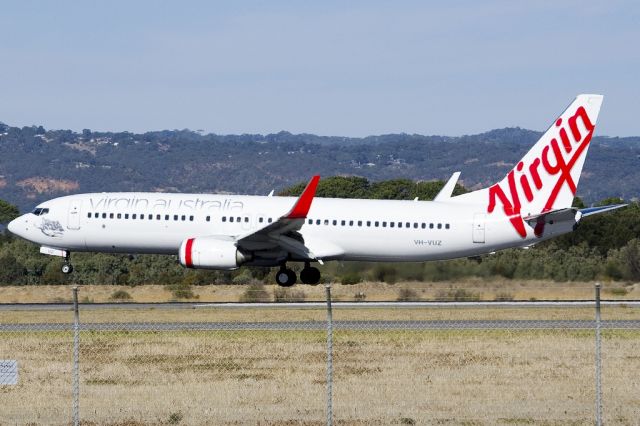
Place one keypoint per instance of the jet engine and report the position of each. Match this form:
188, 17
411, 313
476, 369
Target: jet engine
211, 253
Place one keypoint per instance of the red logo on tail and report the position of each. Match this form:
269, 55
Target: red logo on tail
525, 179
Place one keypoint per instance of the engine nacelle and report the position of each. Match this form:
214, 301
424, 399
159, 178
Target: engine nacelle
210, 253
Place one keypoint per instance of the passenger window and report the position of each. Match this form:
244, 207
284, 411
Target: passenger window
439, 226
104, 215
415, 225
119, 216
246, 219
399, 224
208, 219
359, 223
424, 225
270, 220
350, 223
239, 219
158, 217
126, 215
261, 219
183, 218
335, 222
368, 223
408, 224
431, 226
224, 218
384, 224
89, 215
96, 215
392, 224
190, 218
110, 215
376, 223
150, 217
446, 226
310, 221
166, 217
318, 222
230, 218
343, 223
175, 217
326, 221
142, 216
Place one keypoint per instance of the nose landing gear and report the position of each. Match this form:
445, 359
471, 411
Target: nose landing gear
67, 267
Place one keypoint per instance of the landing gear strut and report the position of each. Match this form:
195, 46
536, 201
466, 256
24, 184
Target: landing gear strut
67, 267
285, 277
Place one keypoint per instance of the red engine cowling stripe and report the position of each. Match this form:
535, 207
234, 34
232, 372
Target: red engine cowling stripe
188, 255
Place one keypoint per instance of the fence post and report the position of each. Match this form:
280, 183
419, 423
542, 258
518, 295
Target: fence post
76, 359
329, 357
598, 360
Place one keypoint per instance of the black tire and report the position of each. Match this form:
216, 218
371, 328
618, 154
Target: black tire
285, 277
310, 275
67, 268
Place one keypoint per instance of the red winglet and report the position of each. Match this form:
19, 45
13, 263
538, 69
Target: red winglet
302, 206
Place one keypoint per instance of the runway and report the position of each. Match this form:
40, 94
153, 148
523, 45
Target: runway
318, 305
322, 325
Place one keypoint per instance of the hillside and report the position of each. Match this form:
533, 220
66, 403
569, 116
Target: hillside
38, 164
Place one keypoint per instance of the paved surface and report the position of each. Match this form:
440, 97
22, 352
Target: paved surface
316, 305
339, 325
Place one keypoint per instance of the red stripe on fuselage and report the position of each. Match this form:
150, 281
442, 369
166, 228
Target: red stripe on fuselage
188, 256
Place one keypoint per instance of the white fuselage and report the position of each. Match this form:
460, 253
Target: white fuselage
347, 229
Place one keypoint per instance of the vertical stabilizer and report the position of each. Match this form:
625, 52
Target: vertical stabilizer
546, 178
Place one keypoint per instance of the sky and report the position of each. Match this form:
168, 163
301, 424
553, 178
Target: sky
342, 68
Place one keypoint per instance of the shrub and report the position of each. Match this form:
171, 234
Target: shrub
120, 295
503, 297
617, 291
351, 278
287, 295
407, 295
181, 291
459, 295
175, 418
255, 293
359, 296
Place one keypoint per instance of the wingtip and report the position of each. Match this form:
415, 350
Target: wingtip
302, 206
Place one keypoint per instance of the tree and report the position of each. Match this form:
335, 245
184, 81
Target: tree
8, 212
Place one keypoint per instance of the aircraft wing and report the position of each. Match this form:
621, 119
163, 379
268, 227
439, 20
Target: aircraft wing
283, 233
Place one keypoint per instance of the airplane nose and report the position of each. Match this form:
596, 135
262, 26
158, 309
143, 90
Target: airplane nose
13, 226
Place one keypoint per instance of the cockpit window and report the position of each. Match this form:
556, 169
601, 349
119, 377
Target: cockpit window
39, 211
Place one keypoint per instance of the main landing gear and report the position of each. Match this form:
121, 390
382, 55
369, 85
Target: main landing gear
67, 267
285, 277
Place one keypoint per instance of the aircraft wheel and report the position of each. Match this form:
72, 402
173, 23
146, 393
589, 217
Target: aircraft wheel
310, 275
285, 277
67, 268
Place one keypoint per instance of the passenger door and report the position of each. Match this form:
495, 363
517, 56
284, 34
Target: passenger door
73, 221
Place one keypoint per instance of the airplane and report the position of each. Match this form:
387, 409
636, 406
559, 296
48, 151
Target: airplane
532, 203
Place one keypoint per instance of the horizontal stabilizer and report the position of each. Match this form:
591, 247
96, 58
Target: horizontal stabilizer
600, 209
447, 190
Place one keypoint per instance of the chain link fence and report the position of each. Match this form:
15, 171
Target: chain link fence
316, 363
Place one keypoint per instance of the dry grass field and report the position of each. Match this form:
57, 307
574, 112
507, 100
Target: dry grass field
470, 377
369, 291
